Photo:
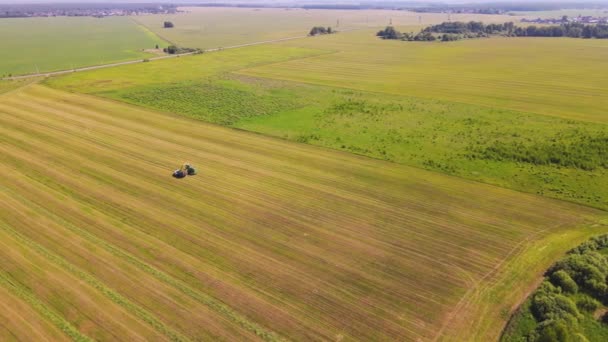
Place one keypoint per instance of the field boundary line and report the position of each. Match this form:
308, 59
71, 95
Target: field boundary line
97, 285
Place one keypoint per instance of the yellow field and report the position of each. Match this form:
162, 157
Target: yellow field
271, 240
208, 27
554, 76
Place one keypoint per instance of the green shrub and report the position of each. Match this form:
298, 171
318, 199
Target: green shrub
555, 331
588, 270
587, 304
563, 280
581, 150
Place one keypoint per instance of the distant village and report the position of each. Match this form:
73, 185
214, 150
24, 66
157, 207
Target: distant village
565, 19
83, 10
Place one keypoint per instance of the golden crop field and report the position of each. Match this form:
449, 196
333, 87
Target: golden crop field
212, 27
272, 240
556, 76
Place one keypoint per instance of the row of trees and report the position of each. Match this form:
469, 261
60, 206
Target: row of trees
471, 27
318, 30
449, 31
573, 30
390, 33
176, 50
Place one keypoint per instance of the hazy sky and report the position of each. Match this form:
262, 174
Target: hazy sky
291, 1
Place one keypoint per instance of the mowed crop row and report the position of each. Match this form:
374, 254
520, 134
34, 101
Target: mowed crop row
271, 240
550, 76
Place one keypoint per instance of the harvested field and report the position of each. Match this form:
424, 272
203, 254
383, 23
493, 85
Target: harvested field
271, 240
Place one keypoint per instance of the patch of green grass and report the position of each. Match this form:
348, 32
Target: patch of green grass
31, 45
223, 102
523, 322
454, 138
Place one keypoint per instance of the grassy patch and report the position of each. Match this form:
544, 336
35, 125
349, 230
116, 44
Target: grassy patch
223, 102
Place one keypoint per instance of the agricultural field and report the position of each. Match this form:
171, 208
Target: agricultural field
32, 45
435, 110
208, 27
556, 77
349, 188
271, 240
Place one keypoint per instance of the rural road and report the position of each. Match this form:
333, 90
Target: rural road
101, 66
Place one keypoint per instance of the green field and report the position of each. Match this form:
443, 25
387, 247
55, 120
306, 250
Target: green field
31, 45
272, 239
208, 27
333, 92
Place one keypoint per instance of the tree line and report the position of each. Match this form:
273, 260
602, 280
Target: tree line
449, 31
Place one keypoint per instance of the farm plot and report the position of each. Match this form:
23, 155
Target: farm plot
32, 45
272, 239
208, 27
557, 77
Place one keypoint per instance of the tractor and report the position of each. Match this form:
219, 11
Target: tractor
185, 170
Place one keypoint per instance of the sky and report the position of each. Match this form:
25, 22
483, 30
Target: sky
292, 1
